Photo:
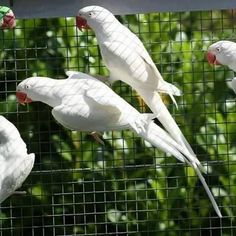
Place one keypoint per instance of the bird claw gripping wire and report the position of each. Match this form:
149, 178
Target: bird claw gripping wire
7, 18
98, 137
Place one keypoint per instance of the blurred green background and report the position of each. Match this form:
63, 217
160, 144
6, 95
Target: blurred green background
126, 187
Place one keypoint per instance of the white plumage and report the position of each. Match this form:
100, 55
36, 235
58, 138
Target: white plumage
127, 59
15, 163
84, 103
224, 53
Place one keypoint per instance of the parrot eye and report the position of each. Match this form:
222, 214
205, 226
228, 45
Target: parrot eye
218, 49
90, 13
27, 86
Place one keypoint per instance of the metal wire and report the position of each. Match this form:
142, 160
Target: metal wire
126, 187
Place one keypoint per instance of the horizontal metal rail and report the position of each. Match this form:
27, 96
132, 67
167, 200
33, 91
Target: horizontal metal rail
61, 8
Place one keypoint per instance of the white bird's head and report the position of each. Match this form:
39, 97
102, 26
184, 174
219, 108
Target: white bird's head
34, 89
222, 53
93, 17
23, 91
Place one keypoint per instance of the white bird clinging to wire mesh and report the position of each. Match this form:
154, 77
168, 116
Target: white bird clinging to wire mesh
84, 103
223, 53
15, 163
127, 59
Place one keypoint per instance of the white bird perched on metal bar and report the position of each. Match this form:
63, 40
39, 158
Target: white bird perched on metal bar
223, 53
127, 59
15, 163
84, 103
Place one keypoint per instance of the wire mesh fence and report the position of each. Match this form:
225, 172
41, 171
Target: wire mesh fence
124, 187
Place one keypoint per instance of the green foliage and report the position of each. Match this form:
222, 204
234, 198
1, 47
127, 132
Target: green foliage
126, 186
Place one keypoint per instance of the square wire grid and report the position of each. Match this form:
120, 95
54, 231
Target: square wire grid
126, 187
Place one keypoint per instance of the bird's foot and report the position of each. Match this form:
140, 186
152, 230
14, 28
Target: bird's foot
139, 125
97, 136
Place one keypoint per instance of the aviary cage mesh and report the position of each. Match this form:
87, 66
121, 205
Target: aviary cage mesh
124, 187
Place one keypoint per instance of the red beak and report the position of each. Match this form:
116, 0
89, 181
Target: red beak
22, 98
211, 58
81, 23
8, 21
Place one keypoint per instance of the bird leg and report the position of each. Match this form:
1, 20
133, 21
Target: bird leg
97, 136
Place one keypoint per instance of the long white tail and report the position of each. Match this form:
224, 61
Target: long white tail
208, 191
162, 140
154, 101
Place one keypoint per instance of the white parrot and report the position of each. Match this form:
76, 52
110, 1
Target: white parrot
15, 163
223, 53
127, 59
84, 103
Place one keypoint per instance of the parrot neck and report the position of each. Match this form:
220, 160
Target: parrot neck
107, 28
49, 94
50, 100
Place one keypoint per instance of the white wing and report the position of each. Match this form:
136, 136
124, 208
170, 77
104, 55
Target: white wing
15, 173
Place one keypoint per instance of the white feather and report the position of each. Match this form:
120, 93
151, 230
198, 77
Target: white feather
225, 52
87, 104
127, 59
15, 163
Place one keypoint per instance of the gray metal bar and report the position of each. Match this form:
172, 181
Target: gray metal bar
59, 8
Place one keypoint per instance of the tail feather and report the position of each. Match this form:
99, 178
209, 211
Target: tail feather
153, 100
161, 139
208, 191
156, 132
